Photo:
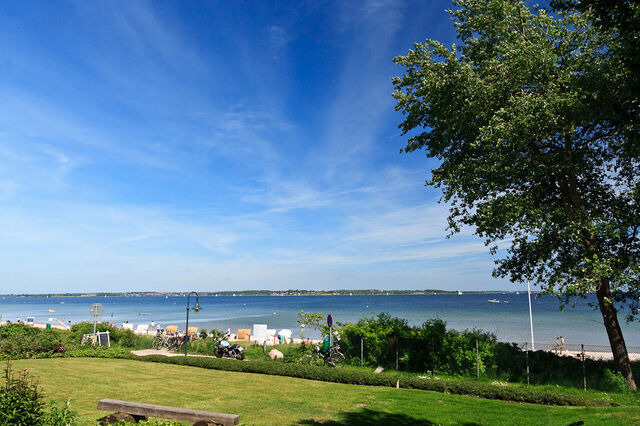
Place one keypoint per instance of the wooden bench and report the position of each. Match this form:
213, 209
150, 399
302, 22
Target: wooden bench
140, 411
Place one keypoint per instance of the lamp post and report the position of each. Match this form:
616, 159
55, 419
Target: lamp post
533, 345
196, 308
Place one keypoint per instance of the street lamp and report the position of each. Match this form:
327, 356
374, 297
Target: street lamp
196, 308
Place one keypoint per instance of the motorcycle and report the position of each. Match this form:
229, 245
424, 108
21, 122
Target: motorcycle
225, 349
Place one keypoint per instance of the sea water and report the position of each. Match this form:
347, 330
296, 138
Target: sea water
508, 319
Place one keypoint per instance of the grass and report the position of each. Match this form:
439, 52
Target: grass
262, 399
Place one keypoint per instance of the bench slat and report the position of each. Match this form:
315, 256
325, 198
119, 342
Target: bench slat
165, 412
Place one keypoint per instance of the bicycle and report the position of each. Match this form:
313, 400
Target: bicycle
333, 357
169, 342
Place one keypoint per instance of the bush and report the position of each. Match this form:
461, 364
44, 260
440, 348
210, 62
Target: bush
122, 337
20, 341
21, 403
430, 347
20, 399
359, 377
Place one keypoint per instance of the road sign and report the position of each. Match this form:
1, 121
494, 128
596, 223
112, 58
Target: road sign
329, 320
96, 310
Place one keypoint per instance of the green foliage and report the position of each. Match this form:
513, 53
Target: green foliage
360, 377
613, 381
20, 341
430, 347
59, 416
122, 337
535, 147
21, 403
315, 320
216, 334
20, 399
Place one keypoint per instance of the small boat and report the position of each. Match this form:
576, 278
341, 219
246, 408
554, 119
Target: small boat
505, 301
459, 293
493, 301
50, 310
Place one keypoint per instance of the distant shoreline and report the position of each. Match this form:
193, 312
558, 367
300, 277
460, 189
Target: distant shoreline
367, 292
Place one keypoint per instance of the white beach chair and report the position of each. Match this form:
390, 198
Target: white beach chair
142, 329
259, 333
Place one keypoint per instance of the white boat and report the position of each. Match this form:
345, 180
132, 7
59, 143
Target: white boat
459, 293
493, 301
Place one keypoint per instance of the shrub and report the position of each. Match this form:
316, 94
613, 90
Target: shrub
20, 341
430, 347
359, 377
122, 337
20, 399
21, 403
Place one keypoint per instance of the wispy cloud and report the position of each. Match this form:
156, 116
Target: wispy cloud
146, 146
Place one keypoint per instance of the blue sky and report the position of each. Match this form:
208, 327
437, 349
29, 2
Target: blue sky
217, 146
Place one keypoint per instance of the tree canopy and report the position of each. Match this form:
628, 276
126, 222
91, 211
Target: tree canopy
526, 118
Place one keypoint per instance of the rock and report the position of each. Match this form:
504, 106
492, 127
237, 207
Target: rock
378, 370
117, 417
275, 354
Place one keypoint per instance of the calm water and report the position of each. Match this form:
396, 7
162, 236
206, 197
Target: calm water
509, 321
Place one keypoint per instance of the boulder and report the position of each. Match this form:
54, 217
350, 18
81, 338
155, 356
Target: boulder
119, 417
378, 370
275, 354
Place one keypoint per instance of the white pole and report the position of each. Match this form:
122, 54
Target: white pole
533, 345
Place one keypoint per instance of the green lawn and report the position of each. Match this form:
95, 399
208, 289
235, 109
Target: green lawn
261, 399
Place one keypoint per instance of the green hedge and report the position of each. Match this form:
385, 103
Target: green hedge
359, 377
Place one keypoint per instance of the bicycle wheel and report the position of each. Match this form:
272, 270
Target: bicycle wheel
157, 343
336, 359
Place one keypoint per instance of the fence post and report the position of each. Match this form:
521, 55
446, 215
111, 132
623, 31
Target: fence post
361, 352
397, 339
584, 375
477, 360
526, 348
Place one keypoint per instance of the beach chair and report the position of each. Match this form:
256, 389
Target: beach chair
127, 326
244, 333
171, 329
142, 329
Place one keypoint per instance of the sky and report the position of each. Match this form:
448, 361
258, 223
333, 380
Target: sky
218, 145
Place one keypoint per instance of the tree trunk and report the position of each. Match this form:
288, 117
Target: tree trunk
618, 347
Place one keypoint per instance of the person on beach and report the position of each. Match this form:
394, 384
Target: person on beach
563, 347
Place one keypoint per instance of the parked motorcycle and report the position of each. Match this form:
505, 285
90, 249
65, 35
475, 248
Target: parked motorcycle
225, 349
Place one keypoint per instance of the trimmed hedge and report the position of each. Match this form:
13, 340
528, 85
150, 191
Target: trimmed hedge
358, 377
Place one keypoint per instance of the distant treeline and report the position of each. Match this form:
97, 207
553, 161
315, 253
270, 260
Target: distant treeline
366, 292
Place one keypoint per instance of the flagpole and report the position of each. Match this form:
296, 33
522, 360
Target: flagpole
533, 345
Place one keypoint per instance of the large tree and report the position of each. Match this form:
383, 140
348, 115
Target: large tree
522, 115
